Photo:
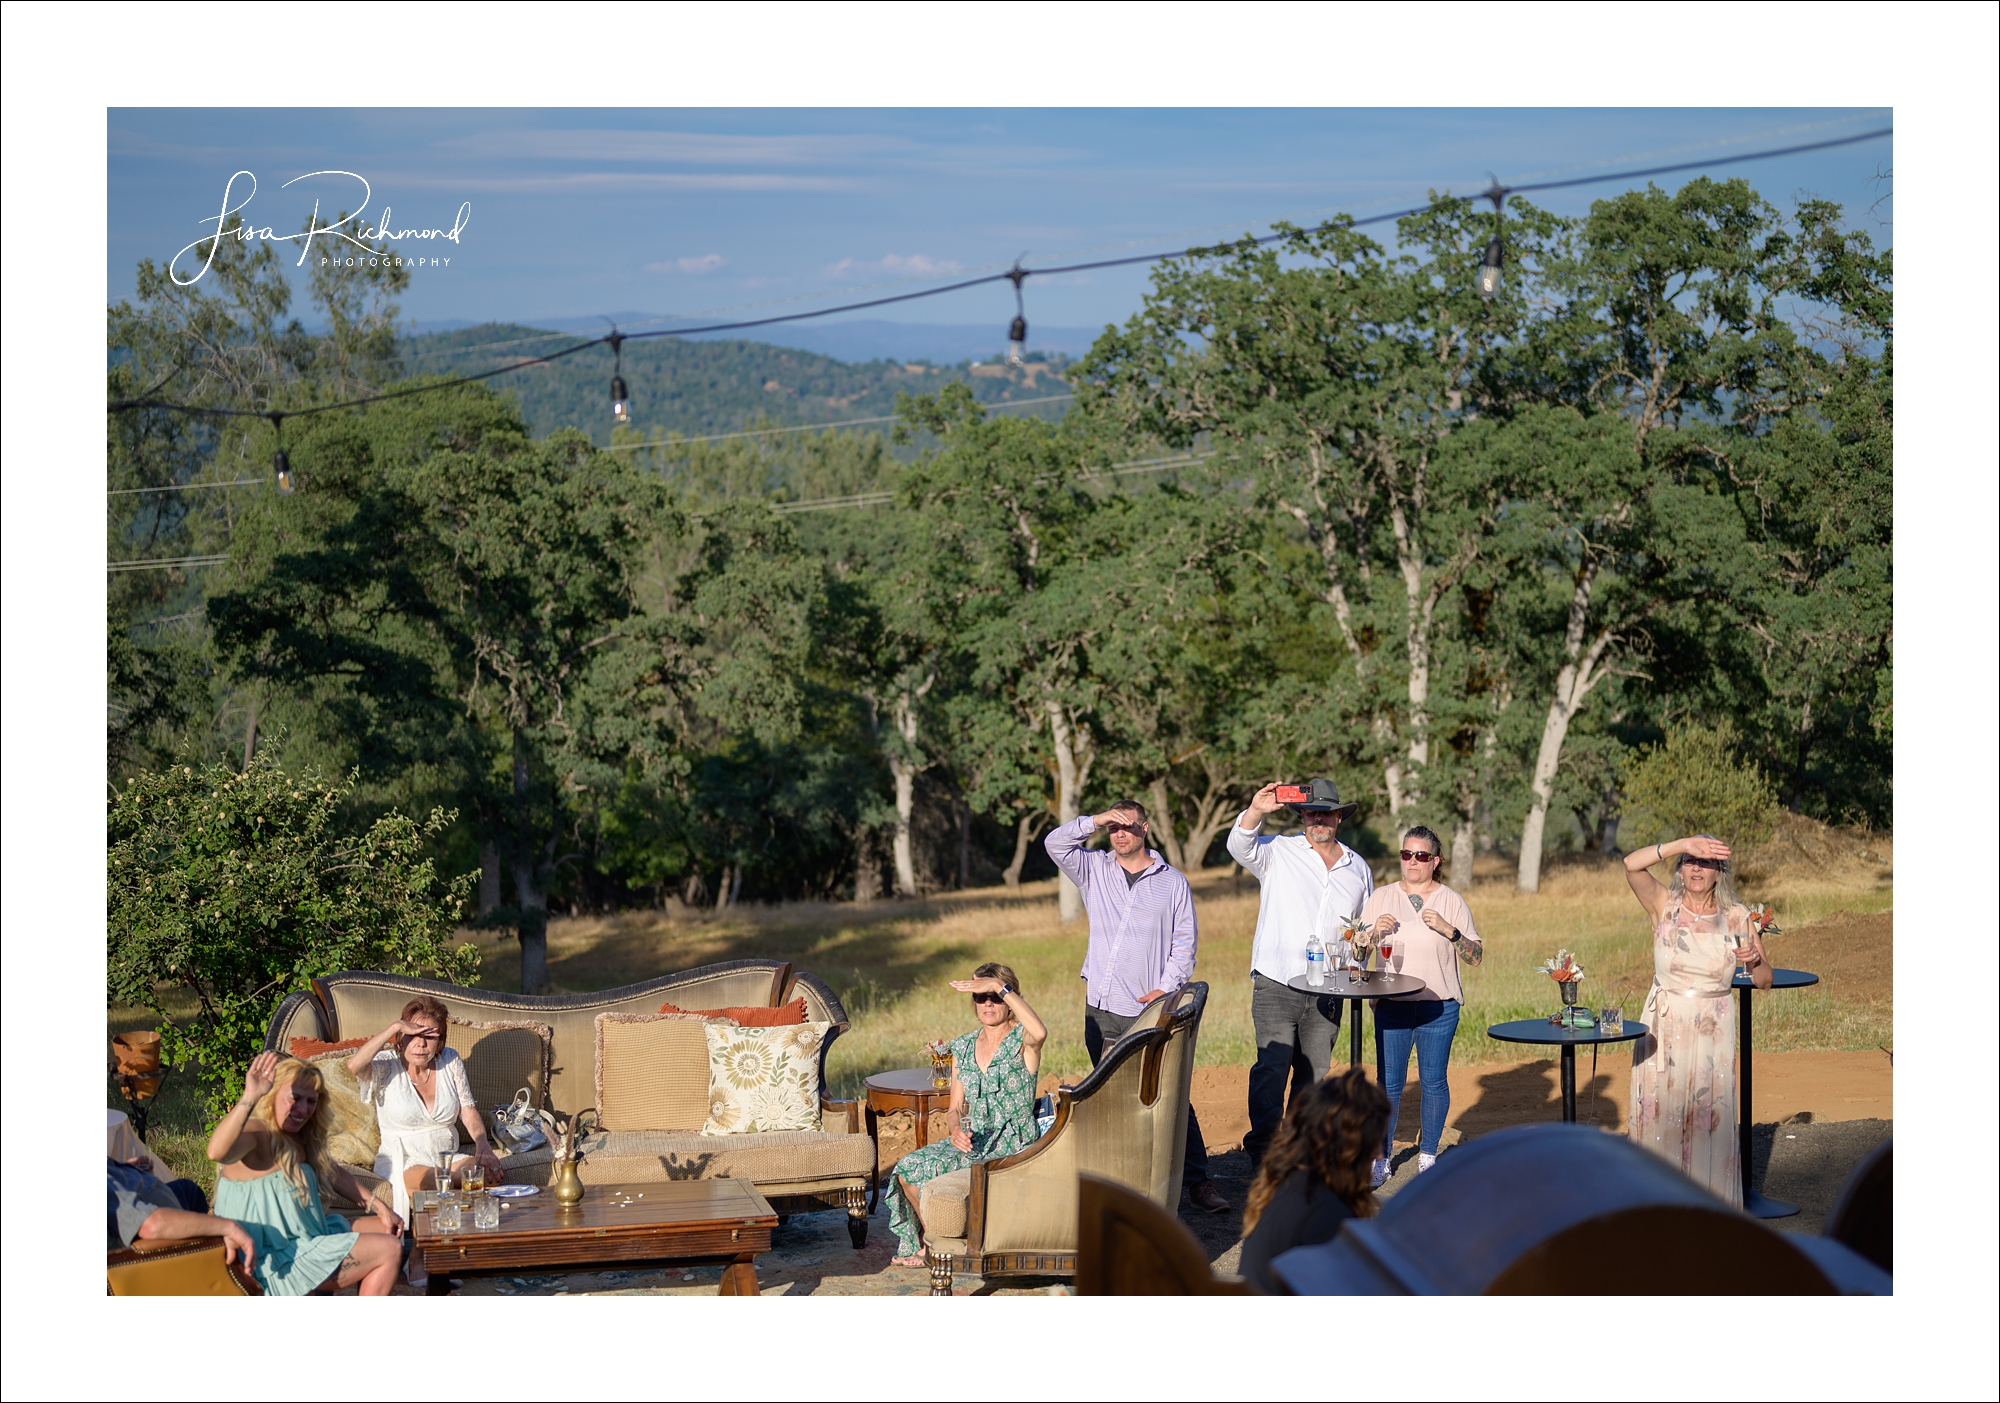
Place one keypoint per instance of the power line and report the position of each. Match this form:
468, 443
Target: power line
120, 406
811, 504
184, 487
121, 567
808, 428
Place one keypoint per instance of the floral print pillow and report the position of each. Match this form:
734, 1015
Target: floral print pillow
763, 1078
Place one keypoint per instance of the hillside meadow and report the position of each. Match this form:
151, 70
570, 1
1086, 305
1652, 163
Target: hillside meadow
891, 961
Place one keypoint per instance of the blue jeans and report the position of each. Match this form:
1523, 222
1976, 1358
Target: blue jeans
1429, 1024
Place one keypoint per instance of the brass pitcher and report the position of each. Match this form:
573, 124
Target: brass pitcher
568, 1188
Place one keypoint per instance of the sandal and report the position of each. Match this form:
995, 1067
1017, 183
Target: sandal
915, 1259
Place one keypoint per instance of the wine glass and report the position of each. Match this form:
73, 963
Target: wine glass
1387, 946
1741, 939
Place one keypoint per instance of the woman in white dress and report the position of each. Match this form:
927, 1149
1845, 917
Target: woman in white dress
421, 1097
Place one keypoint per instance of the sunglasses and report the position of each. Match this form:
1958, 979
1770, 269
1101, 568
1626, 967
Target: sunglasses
989, 998
1409, 856
1710, 863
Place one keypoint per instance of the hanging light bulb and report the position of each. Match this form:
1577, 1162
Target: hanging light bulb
1489, 268
1496, 253
281, 466
1017, 330
621, 398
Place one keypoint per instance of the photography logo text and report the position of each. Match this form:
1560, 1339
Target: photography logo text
348, 241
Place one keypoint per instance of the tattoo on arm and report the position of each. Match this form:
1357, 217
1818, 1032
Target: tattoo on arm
1470, 951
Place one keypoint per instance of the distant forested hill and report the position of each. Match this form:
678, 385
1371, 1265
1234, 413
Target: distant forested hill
704, 387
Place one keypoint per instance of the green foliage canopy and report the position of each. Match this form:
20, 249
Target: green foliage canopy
240, 888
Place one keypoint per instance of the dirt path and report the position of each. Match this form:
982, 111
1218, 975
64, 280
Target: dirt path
1829, 1085
1825, 1086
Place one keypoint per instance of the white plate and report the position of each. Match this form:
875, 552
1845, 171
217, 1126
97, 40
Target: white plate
513, 1190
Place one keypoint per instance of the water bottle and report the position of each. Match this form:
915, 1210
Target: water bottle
1315, 961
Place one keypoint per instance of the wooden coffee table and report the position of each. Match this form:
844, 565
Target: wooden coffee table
680, 1223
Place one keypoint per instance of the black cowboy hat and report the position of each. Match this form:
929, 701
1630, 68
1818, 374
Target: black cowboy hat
1322, 795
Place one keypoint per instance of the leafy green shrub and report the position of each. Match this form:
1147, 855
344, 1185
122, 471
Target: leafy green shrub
241, 888
1692, 782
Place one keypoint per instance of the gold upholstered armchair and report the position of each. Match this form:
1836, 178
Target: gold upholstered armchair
1126, 1122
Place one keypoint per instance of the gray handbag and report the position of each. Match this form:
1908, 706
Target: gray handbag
517, 1125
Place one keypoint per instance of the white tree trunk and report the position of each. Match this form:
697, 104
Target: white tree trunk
905, 776
1161, 827
1580, 673
1074, 753
1030, 827
903, 769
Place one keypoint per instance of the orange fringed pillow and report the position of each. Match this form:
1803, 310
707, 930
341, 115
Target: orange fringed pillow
305, 1049
783, 1016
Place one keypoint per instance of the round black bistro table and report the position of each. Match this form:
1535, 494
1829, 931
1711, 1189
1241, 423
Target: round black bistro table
1755, 1204
1342, 985
1540, 1030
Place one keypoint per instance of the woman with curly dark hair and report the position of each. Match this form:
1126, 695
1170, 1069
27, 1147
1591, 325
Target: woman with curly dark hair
1316, 1174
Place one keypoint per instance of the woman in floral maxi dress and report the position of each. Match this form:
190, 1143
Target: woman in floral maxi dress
1684, 1069
992, 1098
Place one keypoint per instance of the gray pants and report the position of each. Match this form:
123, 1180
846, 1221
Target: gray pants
1295, 1034
1101, 1028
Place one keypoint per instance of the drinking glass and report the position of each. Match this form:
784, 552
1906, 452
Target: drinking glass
445, 1218
474, 1177
1611, 1020
1742, 949
485, 1212
1387, 948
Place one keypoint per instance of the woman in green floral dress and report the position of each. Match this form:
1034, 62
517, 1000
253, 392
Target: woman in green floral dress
992, 1097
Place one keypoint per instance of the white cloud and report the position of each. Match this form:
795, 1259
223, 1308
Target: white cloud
917, 265
707, 263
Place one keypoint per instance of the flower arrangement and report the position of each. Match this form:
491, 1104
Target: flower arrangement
1763, 920
1563, 968
1354, 930
938, 1050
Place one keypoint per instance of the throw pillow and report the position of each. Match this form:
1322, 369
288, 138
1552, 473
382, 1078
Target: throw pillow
346, 1119
501, 1057
783, 1016
762, 1079
652, 1071
306, 1049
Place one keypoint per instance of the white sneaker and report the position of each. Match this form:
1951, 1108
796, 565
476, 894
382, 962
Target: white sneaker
1381, 1173
1425, 1161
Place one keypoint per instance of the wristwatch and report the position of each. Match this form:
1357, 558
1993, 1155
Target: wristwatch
1456, 935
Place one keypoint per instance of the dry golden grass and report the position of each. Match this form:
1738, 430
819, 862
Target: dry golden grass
891, 962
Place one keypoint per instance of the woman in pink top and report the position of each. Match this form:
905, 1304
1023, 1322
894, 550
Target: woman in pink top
1427, 928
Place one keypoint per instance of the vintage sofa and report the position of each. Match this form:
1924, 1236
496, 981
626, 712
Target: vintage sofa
498, 1035
1125, 1122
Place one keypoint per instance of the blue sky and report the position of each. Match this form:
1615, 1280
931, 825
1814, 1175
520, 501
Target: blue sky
576, 213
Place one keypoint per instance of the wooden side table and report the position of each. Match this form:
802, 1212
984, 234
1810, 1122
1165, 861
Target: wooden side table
909, 1089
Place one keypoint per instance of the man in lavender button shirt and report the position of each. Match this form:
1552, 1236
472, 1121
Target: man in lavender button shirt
1142, 937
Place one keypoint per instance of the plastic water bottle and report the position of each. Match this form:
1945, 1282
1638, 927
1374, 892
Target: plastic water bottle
1315, 961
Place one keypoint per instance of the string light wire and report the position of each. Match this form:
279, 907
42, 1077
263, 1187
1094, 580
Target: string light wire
1011, 275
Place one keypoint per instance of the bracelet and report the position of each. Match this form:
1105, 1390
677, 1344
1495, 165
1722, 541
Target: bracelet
1659, 852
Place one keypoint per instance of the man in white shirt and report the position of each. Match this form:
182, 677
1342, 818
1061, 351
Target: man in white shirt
1311, 883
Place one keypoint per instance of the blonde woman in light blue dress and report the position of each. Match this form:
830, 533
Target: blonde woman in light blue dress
269, 1158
